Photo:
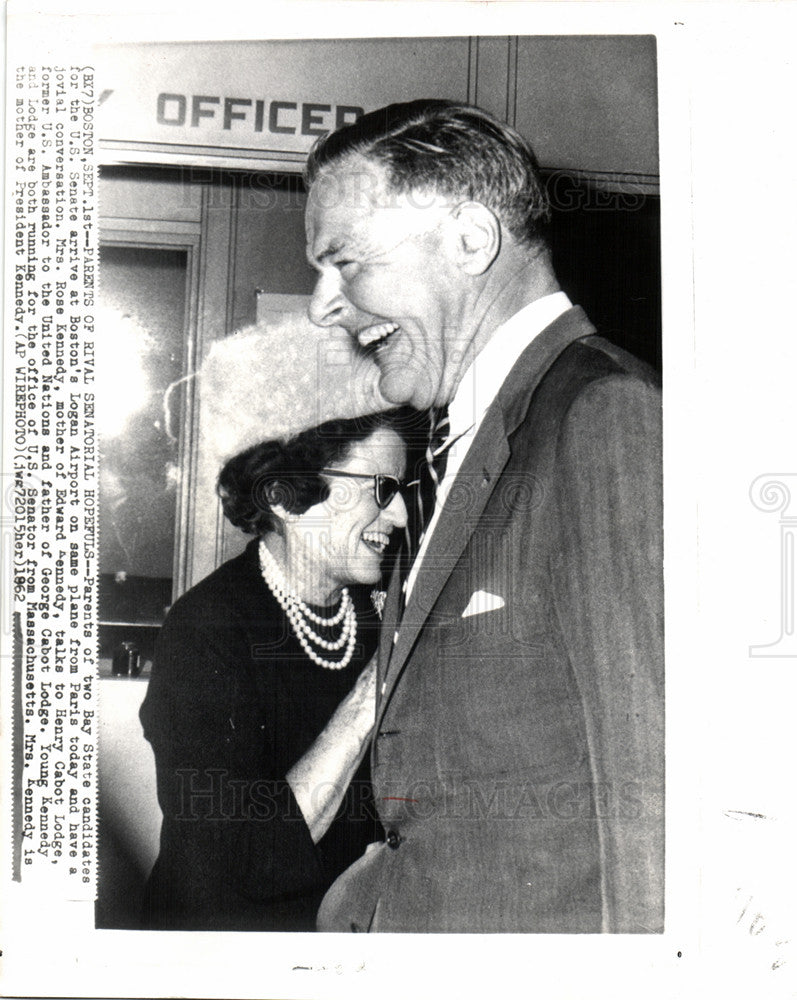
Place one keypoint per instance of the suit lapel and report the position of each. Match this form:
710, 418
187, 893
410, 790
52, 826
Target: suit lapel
478, 477
389, 623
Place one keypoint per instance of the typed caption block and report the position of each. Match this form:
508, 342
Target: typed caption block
53, 257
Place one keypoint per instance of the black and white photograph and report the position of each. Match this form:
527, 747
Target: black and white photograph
537, 582
363, 494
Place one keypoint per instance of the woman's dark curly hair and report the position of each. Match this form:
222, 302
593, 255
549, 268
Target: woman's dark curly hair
273, 472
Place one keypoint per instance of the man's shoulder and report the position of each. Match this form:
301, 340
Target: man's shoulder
603, 354
560, 361
593, 367
600, 357
591, 382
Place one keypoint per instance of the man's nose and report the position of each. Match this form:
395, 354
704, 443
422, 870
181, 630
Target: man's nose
326, 303
396, 511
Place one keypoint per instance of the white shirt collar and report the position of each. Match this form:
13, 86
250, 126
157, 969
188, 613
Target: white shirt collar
487, 372
477, 390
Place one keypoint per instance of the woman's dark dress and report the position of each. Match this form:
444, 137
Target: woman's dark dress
232, 705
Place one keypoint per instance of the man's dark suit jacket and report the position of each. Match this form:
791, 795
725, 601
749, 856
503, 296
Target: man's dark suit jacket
518, 753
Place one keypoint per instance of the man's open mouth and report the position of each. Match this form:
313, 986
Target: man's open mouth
376, 336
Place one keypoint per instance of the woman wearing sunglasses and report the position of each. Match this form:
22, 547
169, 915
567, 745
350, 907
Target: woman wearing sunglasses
261, 702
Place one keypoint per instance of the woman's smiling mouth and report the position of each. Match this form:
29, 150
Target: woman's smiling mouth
377, 541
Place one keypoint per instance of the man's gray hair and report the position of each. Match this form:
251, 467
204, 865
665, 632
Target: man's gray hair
450, 149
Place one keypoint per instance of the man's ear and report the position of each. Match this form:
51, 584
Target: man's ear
477, 235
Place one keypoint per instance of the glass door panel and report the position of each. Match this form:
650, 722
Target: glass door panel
142, 346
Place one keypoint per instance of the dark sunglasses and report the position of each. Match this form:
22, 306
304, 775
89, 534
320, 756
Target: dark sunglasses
385, 487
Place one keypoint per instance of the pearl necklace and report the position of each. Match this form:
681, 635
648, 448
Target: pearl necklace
298, 613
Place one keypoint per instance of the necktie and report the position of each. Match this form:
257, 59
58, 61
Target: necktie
430, 470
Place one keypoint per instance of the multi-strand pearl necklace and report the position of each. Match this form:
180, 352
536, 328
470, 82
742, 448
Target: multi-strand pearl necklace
300, 616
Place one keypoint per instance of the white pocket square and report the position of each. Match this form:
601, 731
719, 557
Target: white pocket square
481, 602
